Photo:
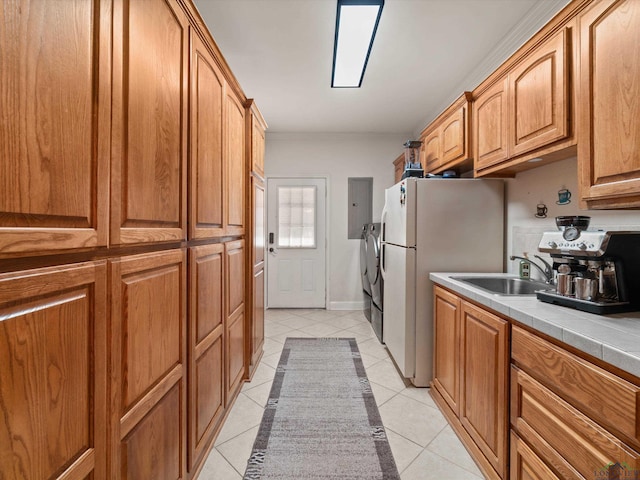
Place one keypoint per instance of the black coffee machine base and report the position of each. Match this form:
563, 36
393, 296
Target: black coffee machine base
585, 305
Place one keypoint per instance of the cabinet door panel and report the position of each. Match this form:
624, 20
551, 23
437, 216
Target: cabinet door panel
432, 154
483, 405
234, 321
609, 104
206, 347
54, 125
573, 444
453, 136
447, 347
258, 145
148, 363
258, 223
152, 323
258, 316
525, 464
234, 164
149, 151
491, 126
53, 372
153, 448
207, 96
538, 97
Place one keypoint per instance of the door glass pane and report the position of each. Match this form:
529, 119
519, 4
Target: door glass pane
297, 217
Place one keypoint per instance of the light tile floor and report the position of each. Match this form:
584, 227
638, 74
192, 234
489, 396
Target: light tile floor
423, 444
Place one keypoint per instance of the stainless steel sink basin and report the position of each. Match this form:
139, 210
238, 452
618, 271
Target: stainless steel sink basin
505, 285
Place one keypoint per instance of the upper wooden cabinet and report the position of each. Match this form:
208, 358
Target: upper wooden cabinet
55, 128
526, 112
445, 142
234, 163
608, 105
149, 149
490, 121
539, 97
255, 135
207, 93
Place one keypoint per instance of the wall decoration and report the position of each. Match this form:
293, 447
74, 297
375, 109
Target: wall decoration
541, 210
564, 196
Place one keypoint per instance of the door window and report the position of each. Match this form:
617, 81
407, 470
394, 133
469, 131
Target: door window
297, 217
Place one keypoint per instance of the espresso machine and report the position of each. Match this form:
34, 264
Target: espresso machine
595, 271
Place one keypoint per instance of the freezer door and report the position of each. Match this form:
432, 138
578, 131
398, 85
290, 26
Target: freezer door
399, 213
399, 306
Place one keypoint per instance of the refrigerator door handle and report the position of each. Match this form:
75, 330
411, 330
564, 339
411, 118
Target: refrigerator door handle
383, 225
383, 247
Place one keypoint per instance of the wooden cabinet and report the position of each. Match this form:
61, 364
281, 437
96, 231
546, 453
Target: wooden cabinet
206, 348
608, 106
150, 77
559, 412
53, 372
446, 369
525, 464
234, 164
398, 168
254, 314
432, 158
526, 112
470, 385
255, 284
445, 142
55, 128
234, 315
207, 96
484, 393
256, 127
539, 97
148, 365
490, 121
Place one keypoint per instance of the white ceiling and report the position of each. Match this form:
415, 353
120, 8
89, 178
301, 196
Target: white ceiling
426, 53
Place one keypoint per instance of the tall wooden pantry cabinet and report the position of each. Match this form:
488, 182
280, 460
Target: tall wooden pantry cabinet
126, 330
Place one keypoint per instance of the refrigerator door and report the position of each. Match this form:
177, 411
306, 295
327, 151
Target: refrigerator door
398, 216
399, 305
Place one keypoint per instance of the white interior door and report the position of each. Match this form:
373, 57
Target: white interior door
296, 242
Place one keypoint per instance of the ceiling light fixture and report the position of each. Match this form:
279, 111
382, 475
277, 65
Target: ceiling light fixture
356, 25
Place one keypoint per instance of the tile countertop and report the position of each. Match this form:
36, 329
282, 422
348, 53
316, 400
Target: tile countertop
613, 338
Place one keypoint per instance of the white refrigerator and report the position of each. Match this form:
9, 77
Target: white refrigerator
433, 225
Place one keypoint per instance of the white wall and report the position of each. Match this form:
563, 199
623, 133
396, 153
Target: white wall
541, 185
338, 156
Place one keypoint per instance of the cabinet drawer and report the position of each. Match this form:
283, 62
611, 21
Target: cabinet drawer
572, 444
608, 399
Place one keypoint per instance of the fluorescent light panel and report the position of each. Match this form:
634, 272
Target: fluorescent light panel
356, 25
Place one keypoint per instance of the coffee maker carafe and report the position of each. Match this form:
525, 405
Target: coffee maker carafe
595, 271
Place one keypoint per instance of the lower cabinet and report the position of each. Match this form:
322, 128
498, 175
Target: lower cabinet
470, 378
148, 366
234, 316
526, 407
53, 373
206, 348
577, 419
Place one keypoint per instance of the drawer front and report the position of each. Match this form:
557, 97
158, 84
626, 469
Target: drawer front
608, 399
525, 464
573, 445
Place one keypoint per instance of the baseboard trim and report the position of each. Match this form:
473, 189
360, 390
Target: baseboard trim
345, 306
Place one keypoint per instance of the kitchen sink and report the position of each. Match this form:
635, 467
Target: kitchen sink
505, 285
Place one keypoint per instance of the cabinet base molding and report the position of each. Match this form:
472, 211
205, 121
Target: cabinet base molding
477, 455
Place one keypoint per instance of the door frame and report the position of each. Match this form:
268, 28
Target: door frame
327, 215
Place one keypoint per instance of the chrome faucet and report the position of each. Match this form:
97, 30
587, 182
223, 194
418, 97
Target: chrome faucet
547, 272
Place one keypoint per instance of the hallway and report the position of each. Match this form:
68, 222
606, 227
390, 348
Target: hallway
423, 444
